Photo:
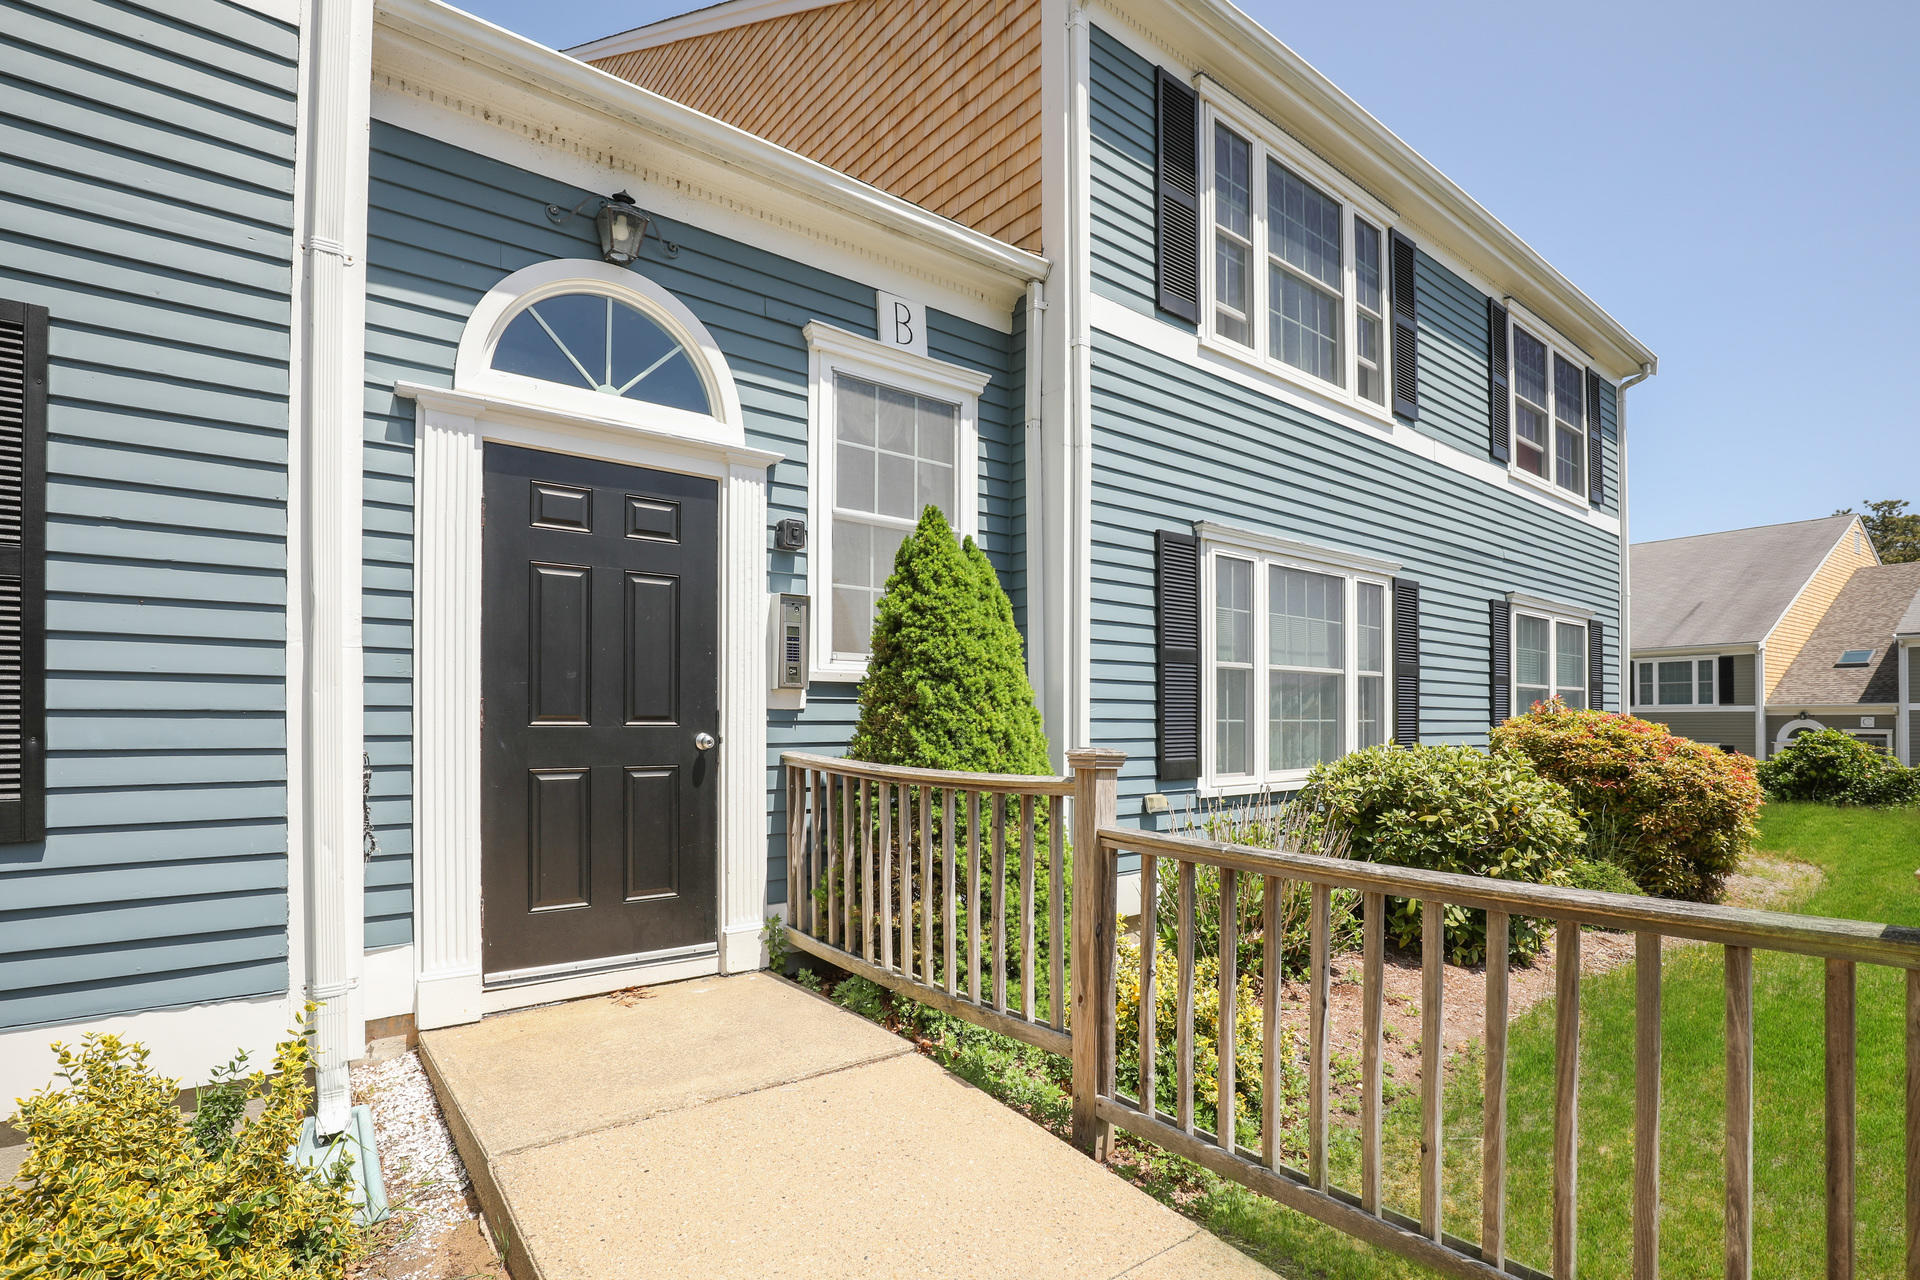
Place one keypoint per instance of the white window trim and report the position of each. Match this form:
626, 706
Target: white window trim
1265, 551
1217, 106
1693, 684
1519, 317
1556, 616
832, 351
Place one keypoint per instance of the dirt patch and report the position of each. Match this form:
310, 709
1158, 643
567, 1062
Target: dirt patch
1772, 884
435, 1231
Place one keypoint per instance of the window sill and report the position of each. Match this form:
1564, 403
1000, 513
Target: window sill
1323, 395
837, 675
1247, 788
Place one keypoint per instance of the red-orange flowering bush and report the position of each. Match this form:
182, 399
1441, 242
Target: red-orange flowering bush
1675, 814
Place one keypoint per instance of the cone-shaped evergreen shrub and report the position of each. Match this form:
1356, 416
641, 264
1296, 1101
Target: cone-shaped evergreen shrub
946, 686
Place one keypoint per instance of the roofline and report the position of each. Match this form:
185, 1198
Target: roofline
1750, 528
547, 71
1795, 599
696, 22
1240, 34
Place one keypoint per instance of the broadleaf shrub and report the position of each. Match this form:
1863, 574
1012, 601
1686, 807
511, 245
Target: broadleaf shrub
1676, 815
1831, 767
117, 1182
1452, 808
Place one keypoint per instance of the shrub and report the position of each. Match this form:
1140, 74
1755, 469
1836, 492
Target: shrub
1447, 808
1676, 815
1600, 876
1832, 767
118, 1183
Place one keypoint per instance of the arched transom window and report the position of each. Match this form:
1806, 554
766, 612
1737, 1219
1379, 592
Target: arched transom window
600, 343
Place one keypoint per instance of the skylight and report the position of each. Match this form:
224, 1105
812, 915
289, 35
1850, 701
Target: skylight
1855, 658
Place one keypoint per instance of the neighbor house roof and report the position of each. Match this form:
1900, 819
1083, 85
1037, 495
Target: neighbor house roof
1725, 588
1909, 624
1864, 616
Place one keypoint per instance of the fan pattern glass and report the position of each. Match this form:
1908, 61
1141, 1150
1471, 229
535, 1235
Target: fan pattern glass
601, 344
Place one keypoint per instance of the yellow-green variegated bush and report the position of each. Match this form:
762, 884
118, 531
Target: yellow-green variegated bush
117, 1183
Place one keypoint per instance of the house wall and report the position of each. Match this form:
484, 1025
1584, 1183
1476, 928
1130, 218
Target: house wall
444, 226
1176, 442
1797, 625
938, 103
146, 199
1718, 728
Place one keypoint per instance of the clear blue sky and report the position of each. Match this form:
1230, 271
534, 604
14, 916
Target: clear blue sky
1735, 182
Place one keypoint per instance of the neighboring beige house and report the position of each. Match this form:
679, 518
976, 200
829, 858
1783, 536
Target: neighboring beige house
1748, 637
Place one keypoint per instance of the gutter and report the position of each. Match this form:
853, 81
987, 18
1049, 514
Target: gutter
513, 57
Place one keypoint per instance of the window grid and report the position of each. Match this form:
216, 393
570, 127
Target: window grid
1549, 660
1369, 327
1677, 682
1233, 236
1550, 415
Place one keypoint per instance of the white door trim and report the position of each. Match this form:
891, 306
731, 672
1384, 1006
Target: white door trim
452, 428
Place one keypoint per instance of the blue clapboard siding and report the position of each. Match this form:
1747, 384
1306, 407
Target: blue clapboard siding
446, 225
1174, 444
146, 180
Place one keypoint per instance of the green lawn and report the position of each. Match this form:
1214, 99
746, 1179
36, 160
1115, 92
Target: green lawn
1868, 859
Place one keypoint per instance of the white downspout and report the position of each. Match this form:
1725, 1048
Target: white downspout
1760, 701
1625, 639
1903, 714
339, 36
1033, 534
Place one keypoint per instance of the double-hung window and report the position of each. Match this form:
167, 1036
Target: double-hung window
1297, 269
1676, 682
1298, 652
1549, 412
892, 433
1549, 659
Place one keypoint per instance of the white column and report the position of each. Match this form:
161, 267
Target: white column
1760, 701
339, 39
743, 716
1903, 716
448, 472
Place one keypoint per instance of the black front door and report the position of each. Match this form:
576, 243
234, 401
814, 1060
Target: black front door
599, 688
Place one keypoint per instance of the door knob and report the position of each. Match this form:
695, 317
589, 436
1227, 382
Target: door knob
703, 741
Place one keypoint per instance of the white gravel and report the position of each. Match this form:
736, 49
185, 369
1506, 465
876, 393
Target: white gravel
427, 1185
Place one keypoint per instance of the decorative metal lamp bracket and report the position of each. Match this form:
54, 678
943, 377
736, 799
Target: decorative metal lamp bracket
560, 215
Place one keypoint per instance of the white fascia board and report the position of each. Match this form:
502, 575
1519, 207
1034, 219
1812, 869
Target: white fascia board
438, 52
1216, 39
1729, 648
701, 22
1820, 564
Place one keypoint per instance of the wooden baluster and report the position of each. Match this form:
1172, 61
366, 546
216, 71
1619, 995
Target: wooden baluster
883, 889
849, 850
904, 820
1840, 1119
927, 894
1319, 1047
836, 856
816, 854
999, 856
973, 896
1149, 939
866, 869
1026, 908
1057, 891
793, 846
1183, 1005
1372, 993
1270, 974
1646, 1107
1433, 1018
949, 838
1493, 1115
1913, 1124
1566, 1099
1739, 1183
1229, 988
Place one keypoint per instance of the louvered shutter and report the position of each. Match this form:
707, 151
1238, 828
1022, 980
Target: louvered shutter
1406, 662
1596, 443
1176, 559
1406, 328
1177, 197
1725, 682
1499, 431
23, 429
1500, 668
1597, 665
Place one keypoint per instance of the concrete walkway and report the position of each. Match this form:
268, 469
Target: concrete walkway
742, 1127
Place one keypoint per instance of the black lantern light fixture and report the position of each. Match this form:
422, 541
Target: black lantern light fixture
622, 225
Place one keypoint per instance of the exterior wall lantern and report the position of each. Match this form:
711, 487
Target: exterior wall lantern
622, 225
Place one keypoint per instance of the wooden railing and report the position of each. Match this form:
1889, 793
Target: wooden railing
856, 833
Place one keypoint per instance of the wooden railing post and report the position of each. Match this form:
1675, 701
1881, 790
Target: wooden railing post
1096, 780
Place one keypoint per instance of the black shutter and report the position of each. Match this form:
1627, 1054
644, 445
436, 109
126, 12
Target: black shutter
1725, 682
1499, 433
1406, 329
1597, 665
1176, 558
1596, 446
1500, 650
1177, 197
1406, 662
23, 449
